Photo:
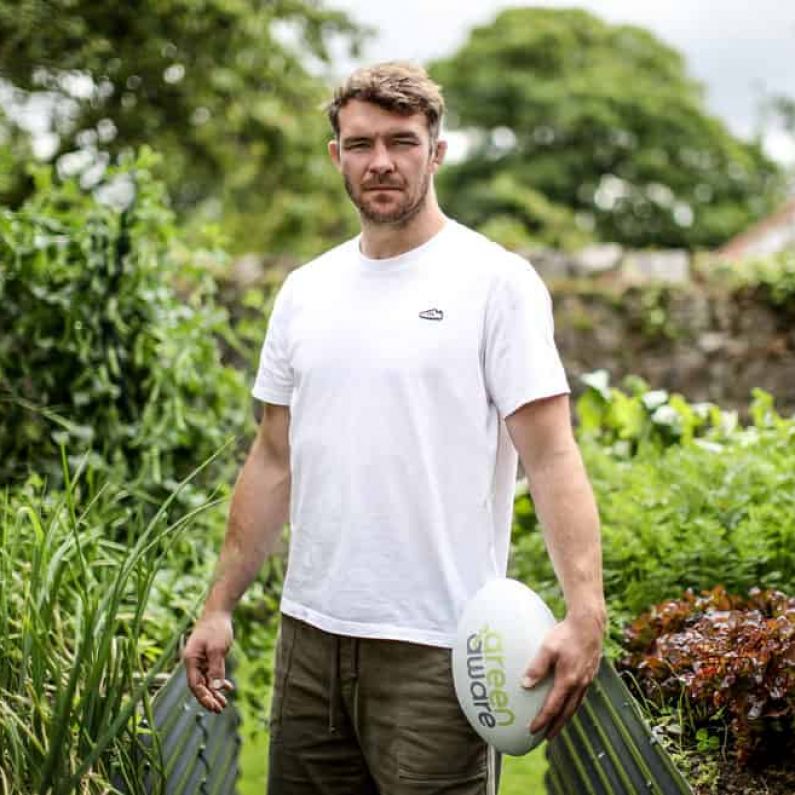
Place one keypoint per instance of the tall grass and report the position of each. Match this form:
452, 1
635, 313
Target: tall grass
78, 656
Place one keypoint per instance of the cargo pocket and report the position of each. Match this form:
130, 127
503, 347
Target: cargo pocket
285, 641
435, 741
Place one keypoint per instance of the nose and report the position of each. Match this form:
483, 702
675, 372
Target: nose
381, 161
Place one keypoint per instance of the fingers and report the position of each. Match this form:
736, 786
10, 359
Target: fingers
199, 686
206, 687
220, 699
212, 700
196, 680
562, 702
215, 668
539, 667
567, 691
570, 707
574, 656
552, 706
204, 659
210, 697
216, 688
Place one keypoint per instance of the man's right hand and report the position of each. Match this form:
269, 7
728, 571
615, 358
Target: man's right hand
204, 657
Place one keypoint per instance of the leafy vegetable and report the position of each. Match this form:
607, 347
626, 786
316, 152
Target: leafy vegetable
732, 657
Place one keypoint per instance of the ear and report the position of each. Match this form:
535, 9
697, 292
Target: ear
440, 150
334, 153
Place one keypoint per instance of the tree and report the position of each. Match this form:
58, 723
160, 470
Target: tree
220, 87
782, 110
602, 120
15, 152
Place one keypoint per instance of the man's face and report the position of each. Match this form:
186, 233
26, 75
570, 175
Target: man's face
386, 161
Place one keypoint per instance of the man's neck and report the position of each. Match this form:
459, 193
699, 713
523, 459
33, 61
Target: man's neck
380, 241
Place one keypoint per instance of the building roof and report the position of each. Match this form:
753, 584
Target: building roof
768, 236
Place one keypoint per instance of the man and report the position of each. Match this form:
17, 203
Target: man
401, 373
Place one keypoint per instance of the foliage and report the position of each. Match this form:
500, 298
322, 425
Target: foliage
624, 421
225, 89
733, 658
82, 645
602, 120
772, 277
15, 152
98, 349
778, 110
518, 216
112, 344
247, 307
707, 510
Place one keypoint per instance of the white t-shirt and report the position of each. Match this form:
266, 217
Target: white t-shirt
399, 373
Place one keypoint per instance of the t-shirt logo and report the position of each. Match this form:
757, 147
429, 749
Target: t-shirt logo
432, 314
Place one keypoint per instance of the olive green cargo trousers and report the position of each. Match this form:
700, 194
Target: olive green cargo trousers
362, 716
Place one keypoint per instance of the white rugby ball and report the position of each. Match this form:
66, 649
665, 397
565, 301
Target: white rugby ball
499, 633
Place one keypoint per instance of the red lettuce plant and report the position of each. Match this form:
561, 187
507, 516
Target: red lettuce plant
731, 657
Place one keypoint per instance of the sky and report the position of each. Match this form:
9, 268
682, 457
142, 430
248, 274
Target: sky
738, 49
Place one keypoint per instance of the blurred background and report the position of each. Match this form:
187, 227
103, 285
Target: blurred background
616, 121
163, 165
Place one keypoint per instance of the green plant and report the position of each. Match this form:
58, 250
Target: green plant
654, 315
706, 742
80, 650
242, 136
108, 342
112, 347
626, 420
771, 276
715, 509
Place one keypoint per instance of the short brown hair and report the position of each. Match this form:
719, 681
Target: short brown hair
397, 86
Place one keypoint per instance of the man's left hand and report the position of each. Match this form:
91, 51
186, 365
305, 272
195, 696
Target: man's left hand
572, 649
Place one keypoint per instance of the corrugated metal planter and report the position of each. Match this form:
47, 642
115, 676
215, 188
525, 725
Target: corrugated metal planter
200, 749
608, 749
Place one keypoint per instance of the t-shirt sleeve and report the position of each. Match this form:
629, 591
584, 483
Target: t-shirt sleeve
274, 381
521, 360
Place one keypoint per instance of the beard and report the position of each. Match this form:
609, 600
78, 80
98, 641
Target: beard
410, 203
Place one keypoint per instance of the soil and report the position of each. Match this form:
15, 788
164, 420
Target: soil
773, 776
731, 780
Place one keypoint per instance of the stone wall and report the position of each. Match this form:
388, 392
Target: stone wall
644, 314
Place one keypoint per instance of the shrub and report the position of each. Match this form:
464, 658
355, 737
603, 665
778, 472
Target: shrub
674, 516
98, 349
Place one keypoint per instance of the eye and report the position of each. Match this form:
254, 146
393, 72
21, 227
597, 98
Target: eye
356, 145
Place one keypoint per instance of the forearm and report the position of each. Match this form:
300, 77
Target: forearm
564, 502
259, 509
567, 511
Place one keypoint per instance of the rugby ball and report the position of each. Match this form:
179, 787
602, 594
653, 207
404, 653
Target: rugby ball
500, 631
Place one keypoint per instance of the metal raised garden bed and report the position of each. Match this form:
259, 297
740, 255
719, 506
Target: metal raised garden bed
608, 749
200, 749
